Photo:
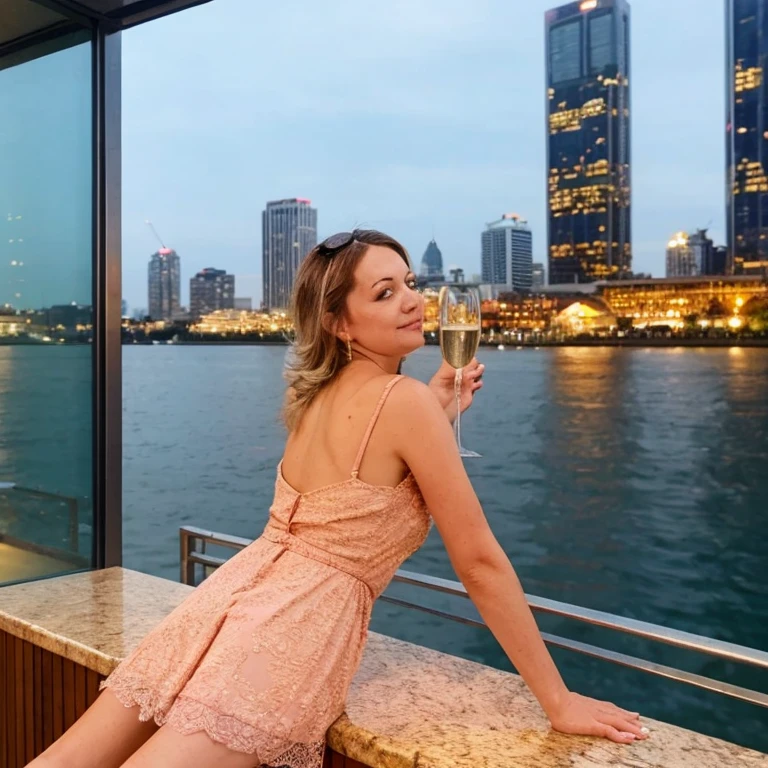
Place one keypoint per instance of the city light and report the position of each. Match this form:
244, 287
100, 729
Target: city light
588, 5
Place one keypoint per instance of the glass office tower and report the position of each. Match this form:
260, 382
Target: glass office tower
746, 136
588, 147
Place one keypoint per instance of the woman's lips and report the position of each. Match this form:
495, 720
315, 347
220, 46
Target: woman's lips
414, 326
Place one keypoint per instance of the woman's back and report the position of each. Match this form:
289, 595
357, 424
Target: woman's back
331, 436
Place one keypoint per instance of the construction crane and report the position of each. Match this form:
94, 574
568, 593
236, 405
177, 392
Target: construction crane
164, 251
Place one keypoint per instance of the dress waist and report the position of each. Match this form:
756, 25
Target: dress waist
311, 551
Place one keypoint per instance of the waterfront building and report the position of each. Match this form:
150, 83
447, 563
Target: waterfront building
233, 322
209, 290
538, 275
588, 141
289, 233
681, 261
164, 284
507, 253
677, 303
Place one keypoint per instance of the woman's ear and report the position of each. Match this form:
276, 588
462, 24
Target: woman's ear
337, 327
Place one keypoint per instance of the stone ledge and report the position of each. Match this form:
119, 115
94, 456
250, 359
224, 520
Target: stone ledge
408, 707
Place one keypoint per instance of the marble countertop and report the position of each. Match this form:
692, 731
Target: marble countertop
408, 707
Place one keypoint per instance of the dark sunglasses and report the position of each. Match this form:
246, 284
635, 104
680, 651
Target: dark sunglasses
331, 245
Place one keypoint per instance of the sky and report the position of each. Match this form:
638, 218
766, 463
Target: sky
416, 117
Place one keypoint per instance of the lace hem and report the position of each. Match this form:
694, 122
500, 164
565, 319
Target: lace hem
187, 716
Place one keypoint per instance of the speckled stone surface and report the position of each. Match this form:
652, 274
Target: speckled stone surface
94, 618
408, 707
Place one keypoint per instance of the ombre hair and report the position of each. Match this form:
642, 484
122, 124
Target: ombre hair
323, 282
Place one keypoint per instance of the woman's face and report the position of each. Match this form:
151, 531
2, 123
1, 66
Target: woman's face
385, 312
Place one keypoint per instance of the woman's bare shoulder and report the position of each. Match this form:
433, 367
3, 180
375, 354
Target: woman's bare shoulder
414, 399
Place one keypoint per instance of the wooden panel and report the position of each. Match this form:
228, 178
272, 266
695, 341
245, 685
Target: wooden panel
5, 686
29, 695
41, 695
10, 670
47, 673
37, 724
80, 700
58, 696
68, 686
333, 759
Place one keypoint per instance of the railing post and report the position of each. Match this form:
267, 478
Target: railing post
187, 568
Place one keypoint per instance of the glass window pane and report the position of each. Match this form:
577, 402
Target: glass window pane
46, 466
565, 51
600, 43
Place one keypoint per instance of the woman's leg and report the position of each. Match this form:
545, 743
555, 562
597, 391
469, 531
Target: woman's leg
105, 736
170, 749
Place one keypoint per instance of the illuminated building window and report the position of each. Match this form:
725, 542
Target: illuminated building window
747, 79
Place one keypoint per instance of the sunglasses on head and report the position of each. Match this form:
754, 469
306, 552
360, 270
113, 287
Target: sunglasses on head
331, 245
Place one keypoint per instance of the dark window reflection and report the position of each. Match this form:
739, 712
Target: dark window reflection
45, 315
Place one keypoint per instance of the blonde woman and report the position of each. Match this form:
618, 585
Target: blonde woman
254, 666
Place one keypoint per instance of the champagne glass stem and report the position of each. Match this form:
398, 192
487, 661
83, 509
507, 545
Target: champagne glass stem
457, 391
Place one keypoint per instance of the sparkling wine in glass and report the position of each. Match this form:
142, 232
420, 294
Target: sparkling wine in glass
459, 337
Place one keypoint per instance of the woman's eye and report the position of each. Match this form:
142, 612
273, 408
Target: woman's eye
413, 285
385, 294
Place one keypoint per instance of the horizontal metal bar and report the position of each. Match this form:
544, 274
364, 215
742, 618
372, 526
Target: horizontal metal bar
660, 670
203, 559
674, 637
225, 539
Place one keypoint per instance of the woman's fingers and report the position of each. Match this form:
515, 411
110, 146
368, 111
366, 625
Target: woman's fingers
624, 724
609, 732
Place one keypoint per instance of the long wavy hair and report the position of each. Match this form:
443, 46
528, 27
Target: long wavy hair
319, 300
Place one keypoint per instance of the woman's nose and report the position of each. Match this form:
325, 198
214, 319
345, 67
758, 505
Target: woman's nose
411, 300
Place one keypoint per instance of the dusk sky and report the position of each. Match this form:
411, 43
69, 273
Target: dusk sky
414, 117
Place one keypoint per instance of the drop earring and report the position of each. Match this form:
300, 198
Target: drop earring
349, 350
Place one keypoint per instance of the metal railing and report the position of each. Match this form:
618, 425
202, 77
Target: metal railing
191, 536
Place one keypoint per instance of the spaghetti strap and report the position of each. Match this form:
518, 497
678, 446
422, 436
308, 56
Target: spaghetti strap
372, 424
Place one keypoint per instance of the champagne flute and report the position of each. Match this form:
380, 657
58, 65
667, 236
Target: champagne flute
459, 315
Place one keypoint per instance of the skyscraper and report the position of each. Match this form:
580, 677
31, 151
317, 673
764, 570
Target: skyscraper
432, 263
587, 62
538, 275
164, 284
507, 253
289, 233
746, 135
681, 257
209, 290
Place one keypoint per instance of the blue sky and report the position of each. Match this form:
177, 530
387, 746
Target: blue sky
412, 117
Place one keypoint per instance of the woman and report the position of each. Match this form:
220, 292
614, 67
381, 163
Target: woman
254, 666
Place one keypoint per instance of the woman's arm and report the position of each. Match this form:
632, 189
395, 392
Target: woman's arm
422, 437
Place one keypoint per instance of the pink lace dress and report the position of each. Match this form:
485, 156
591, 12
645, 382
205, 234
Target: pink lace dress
260, 656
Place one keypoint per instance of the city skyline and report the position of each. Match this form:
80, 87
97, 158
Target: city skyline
427, 147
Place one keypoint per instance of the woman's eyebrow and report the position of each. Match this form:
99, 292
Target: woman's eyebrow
384, 279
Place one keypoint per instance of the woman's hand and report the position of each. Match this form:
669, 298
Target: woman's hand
443, 385
581, 715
